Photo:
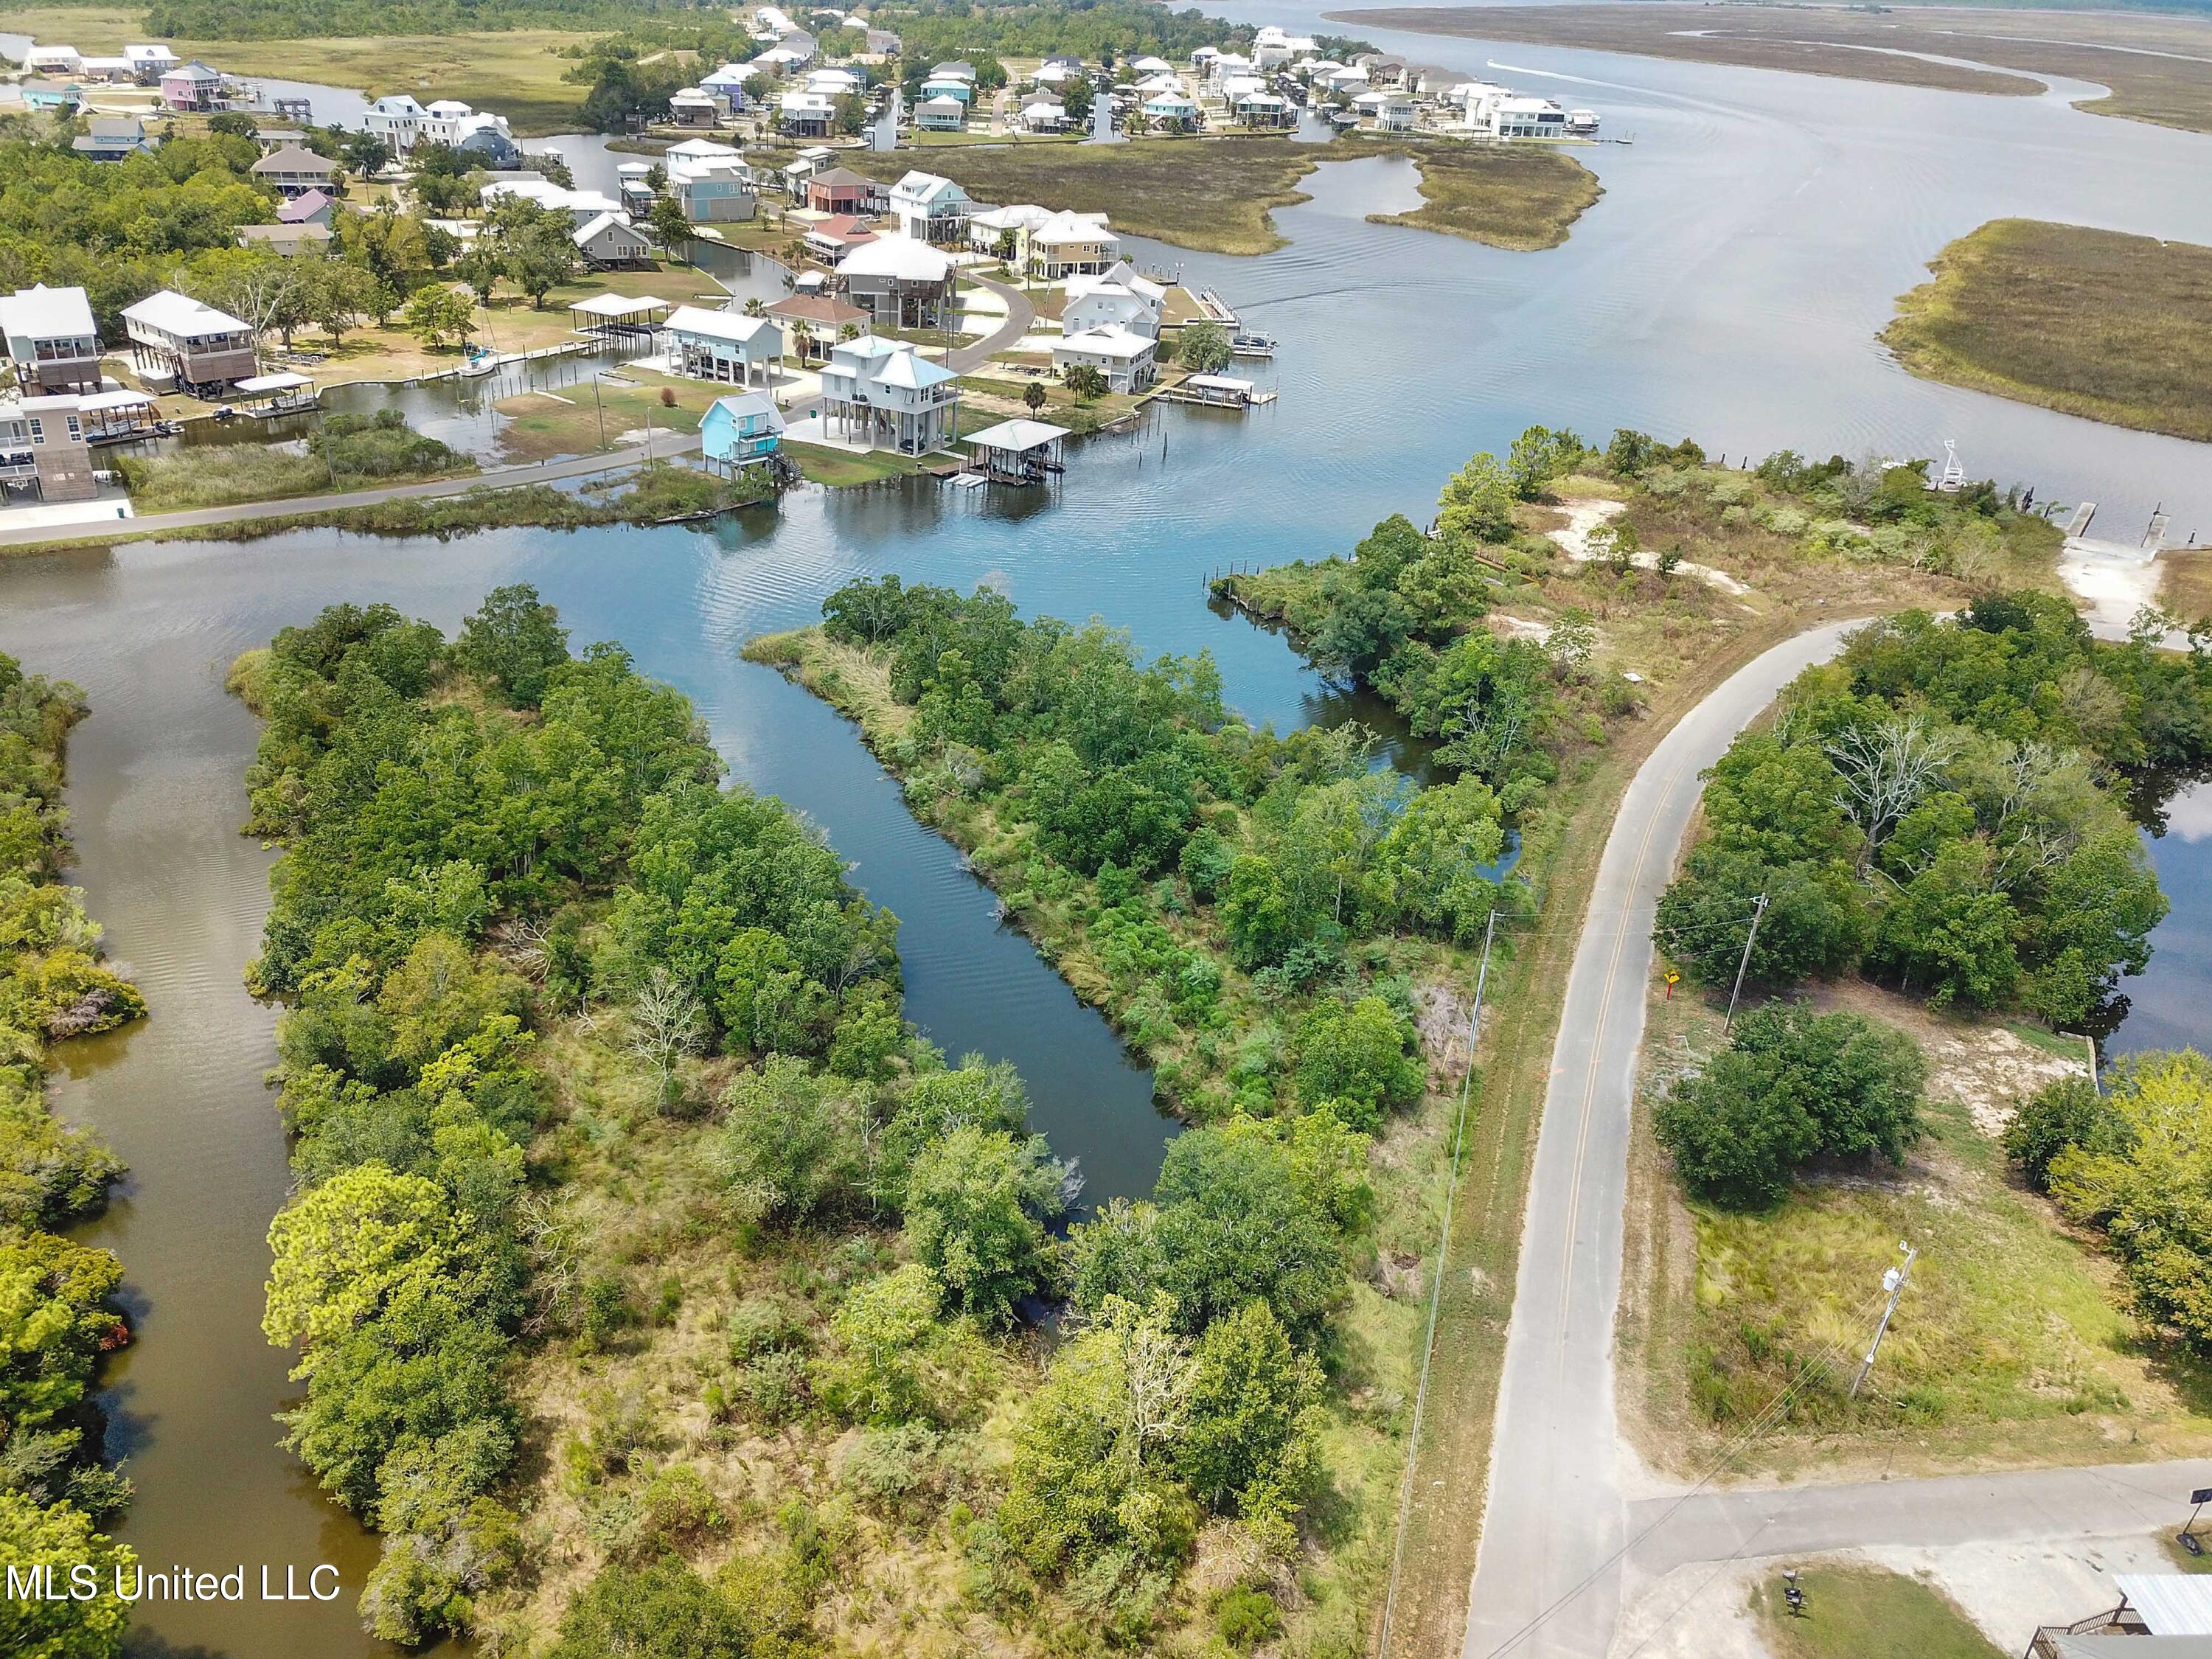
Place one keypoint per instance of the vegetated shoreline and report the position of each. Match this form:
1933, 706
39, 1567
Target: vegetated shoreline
1147, 185
63, 1297
2143, 56
662, 493
2094, 323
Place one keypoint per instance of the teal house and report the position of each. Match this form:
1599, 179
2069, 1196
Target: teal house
739, 430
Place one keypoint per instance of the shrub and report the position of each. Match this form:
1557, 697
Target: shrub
2066, 1114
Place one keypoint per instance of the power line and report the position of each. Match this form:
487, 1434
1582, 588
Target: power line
1728, 1455
1436, 1292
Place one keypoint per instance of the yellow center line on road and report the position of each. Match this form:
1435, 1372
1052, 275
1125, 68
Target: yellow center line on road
1597, 1049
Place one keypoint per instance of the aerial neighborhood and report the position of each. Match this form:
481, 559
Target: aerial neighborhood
973, 827
382, 243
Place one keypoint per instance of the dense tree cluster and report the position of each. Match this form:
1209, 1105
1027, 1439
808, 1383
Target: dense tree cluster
1793, 1084
426, 790
59, 1314
2135, 1162
1939, 806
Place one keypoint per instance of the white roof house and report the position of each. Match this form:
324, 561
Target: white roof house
699, 149
1044, 115
609, 239
1151, 66
1101, 304
40, 313
733, 326
941, 113
905, 258
835, 83
1070, 243
182, 316
1126, 358
149, 58
53, 60
928, 207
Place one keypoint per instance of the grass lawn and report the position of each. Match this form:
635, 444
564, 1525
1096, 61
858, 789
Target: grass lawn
2187, 587
2012, 1345
510, 323
1211, 194
996, 400
824, 465
1865, 1613
1520, 196
2116, 328
543, 426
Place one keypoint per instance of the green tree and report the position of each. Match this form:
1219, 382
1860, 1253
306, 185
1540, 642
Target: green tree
887, 1334
1477, 503
1084, 381
1949, 934
1354, 1059
1237, 1223
976, 1203
513, 642
1540, 455
61, 1539
1813, 926
364, 1242
1792, 1084
1203, 348
1252, 1416
540, 258
2060, 1115
438, 316
1033, 397
661, 1611
670, 226
480, 265
786, 1140
2148, 1183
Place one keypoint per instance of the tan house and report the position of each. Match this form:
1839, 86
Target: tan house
295, 171
42, 440
176, 337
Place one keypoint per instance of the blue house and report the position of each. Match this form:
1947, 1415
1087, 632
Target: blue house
739, 430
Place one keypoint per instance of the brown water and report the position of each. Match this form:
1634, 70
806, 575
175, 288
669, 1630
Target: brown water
157, 795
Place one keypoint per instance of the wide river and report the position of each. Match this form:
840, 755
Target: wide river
1729, 285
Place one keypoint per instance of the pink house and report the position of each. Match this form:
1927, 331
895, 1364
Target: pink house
193, 86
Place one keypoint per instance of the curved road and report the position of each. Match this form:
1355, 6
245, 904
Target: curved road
1556, 1517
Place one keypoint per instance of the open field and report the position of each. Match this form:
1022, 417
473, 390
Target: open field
2187, 587
1865, 1613
1210, 194
1522, 196
2012, 1347
219, 474
2116, 328
824, 465
2159, 67
513, 71
542, 425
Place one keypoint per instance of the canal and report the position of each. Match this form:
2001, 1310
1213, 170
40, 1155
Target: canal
1728, 286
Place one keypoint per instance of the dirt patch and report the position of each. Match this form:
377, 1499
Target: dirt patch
1988, 1069
1584, 519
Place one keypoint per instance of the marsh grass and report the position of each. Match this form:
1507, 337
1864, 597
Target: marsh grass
2091, 322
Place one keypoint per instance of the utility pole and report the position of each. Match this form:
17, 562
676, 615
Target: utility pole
1893, 1282
1758, 909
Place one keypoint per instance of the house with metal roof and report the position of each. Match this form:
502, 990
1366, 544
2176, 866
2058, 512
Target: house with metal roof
930, 209
725, 346
742, 430
52, 339
903, 283
942, 113
176, 336
817, 322
885, 394
1129, 360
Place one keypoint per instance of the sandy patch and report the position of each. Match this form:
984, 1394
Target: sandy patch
1986, 1068
2112, 583
1703, 1610
1583, 517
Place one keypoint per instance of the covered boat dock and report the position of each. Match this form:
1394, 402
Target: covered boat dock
1017, 451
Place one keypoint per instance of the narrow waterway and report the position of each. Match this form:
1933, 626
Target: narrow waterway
1728, 286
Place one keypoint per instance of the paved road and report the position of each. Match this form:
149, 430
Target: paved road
1546, 1580
2118, 1500
505, 478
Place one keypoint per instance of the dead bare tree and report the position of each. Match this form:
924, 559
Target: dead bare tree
1884, 771
666, 1020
